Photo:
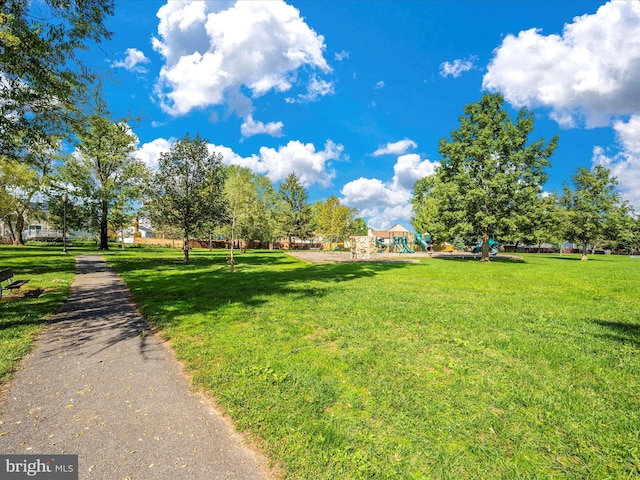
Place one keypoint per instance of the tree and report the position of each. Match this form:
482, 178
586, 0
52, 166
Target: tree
296, 215
40, 69
359, 227
589, 205
103, 172
332, 220
21, 187
490, 171
427, 210
186, 191
241, 198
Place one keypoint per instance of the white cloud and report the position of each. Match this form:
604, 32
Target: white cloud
311, 166
380, 85
214, 50
340, 56
588, 74
457, 68
395, 148
250, 127
133, 61
150, 152
387, 203
625, 164
315, 89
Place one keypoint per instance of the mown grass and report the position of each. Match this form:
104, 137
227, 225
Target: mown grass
447, 369
25, 312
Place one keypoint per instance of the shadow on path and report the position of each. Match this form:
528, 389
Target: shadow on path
101, 385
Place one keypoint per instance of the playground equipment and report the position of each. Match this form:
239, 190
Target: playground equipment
494, 247
424, 240
401, 244
380, 244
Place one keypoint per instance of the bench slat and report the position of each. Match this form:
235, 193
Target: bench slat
16, 284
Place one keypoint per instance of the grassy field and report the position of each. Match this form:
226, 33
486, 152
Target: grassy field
444, 369
24, 313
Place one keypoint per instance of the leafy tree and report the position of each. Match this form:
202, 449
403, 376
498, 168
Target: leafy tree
103, 172
186, 191
21, 185
589, 205
332, 220
295, 212
264, 226
241, 198
490, 171
543, 223
40, 68
359, 227
427, 211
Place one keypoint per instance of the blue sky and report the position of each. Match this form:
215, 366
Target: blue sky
354, 95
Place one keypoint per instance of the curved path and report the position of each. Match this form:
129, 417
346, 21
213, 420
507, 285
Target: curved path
101, 385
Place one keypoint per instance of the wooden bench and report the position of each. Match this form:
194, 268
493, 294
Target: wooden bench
7, 275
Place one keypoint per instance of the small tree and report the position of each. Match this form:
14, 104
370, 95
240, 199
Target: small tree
186, 191
589, 204
332, 220
240, 196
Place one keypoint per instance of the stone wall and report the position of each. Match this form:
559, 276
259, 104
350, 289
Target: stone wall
363, 248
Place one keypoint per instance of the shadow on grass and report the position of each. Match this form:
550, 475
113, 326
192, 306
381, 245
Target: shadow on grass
205, 285
477, 259
622, 332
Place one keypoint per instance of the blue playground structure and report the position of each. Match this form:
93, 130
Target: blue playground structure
424, 240
401, 244
494, 247
380, 244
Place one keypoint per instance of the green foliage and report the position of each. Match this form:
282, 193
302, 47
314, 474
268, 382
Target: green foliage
40, 70
103, 173
428, 207
491, 173
589, 205
446, 369
186, 191
333, 221
21, 184
296, 217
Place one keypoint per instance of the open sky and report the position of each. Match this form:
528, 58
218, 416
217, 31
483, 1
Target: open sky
353, 95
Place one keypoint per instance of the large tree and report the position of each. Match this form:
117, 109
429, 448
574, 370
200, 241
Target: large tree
40, 73
186, 191
589, 205
103, 173
295, 211
490, 170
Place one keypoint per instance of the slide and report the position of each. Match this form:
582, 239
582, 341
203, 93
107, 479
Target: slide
402, 245
380, 244
494, 247
424, 240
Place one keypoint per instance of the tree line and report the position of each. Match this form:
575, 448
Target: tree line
490, 185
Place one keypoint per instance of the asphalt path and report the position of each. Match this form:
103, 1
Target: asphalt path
100, 384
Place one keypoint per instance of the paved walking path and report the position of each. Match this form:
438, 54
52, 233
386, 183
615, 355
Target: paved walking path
97, 386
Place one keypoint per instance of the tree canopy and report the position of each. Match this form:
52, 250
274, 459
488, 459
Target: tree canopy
186, 191
39, 42
490, 171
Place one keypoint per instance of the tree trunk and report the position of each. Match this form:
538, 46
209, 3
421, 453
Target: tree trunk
18, 239
104, 227
122, 237
584, 251
485, 248
185, 248
232, 263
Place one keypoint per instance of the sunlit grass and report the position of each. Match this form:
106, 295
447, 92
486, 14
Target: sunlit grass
24, 313
446, 369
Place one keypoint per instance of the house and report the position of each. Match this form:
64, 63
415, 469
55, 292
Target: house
387, 235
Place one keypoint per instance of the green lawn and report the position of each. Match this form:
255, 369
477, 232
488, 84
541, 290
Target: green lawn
24, 313
444, 369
